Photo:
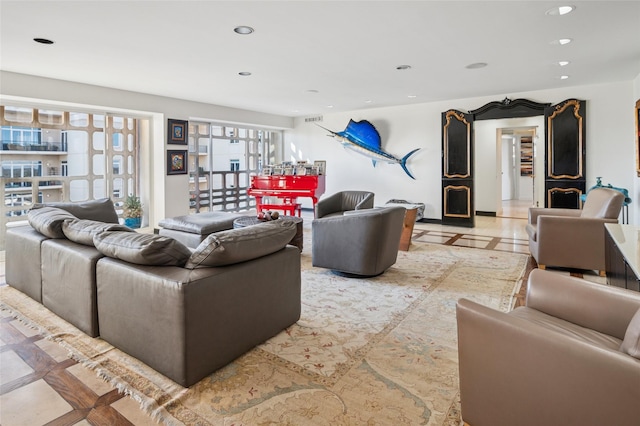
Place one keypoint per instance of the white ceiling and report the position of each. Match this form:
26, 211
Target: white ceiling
347, 51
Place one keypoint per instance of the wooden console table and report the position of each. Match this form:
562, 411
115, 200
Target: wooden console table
622, 255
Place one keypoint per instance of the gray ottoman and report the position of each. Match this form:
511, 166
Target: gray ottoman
191, 229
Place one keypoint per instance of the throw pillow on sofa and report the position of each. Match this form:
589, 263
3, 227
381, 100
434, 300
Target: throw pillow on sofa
81, 231
142, 249
242, 244
101, 210
48, 221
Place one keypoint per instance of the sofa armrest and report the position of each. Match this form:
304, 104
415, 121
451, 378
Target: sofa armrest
535, 212
328, 205
564, 380
23, 269
598, 307
366, 203
571, 224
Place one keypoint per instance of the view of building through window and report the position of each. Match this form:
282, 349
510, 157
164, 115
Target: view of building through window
222, 159
52, 156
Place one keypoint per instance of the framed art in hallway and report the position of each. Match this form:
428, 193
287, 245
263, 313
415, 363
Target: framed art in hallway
176, 162
177, 131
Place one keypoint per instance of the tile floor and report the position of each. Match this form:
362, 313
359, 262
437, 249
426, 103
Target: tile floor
40, 385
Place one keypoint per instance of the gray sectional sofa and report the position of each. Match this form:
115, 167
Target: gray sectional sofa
184, 312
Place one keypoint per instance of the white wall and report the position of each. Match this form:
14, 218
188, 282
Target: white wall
609, 145
402, 129
168, 195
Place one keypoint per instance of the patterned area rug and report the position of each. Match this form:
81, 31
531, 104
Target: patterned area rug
378, 351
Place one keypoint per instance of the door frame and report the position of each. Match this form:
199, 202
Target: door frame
507, 108
520, 108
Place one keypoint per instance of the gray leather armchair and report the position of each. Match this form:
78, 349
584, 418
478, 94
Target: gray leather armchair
557, 361
361, 242
573, 238
336, 204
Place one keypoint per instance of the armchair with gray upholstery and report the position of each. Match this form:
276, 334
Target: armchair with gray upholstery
569, 357
573, 238
361, 242
336, 204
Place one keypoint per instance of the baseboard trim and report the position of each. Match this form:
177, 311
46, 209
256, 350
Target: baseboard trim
491, 214
427, 220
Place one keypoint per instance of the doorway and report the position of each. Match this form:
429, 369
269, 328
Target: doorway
489, 165
517, 171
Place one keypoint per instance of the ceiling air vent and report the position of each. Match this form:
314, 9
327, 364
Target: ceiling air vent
313, 119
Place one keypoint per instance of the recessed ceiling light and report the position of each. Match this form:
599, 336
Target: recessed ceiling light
563, 63
43, 40
562, 41
412, 96
403, 67
244, 73
564, 77
368, 101
329, 106
243, 29
476, 65
561, 10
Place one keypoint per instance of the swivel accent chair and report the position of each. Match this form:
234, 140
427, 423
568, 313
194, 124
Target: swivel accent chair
361, 242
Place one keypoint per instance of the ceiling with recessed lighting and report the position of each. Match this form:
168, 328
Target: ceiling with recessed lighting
310, 57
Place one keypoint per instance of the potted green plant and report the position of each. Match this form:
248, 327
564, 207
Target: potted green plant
132, 211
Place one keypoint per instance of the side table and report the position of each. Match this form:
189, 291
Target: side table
407, 228
297, 239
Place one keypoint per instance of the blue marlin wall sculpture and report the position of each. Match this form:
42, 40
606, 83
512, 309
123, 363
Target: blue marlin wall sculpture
363, 138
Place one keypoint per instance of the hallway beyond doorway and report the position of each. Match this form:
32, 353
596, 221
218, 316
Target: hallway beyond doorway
518, 209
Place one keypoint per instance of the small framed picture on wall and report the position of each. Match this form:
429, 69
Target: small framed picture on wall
321, 165
176, 162
177, 131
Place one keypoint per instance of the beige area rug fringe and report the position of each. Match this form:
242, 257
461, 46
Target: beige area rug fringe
380, 350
